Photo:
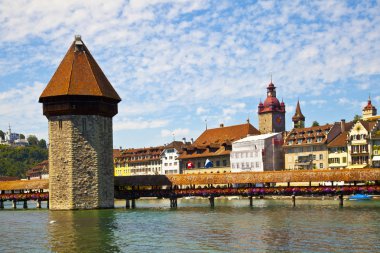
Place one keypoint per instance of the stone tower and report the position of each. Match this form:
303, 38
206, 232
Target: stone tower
369, 110
79, 103
298, 118
271, 113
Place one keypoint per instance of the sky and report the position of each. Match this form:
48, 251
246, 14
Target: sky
176, 64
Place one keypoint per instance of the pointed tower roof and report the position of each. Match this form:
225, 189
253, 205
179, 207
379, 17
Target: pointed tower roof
79, 75
79, 86
298, 114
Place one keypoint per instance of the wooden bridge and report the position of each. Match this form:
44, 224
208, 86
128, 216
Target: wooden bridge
245, 184
281, 183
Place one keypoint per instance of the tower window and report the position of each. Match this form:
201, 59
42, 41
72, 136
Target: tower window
60, 124
84, 125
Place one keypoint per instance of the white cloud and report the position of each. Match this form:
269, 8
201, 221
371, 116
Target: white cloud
170, 58
178, 133
139, 124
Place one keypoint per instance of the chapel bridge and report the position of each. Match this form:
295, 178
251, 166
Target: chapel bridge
214, 185
243, 184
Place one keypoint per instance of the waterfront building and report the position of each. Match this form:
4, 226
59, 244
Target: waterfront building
121, 167
298, 118
306, 148
271, 113
361, 138
210, 152
258, 153
169, 157
337, 148
79, 103
142, 161
40, 171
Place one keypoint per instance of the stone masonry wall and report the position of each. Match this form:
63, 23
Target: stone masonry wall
81, 153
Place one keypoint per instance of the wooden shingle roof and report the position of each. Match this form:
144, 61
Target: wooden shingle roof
79, 75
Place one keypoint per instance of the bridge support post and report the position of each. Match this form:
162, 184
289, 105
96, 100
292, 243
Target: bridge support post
294, 200
341, 200
47, 204
38, 204
1, 204
173, 202
25, 206
250, 201
14, 204
127, 204
133, 203
212, 201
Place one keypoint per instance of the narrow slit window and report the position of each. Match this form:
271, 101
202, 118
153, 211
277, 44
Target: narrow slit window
84, 125
60, 124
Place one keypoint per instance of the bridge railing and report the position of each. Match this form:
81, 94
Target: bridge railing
248, 191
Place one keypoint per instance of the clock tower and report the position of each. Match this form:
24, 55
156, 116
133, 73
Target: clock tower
271, 113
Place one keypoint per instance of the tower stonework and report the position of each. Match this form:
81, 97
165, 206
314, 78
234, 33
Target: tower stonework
271, 113
79, 103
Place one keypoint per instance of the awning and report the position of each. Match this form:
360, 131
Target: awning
376, 158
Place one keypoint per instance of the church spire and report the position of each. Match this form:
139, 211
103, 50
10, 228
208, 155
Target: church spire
298, 118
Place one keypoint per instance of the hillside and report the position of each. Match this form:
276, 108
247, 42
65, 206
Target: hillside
15, 161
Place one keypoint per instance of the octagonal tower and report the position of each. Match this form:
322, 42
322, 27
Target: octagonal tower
79, 103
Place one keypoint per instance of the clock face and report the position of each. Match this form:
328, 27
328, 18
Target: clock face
278, 120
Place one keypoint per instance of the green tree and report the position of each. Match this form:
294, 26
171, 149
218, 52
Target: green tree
2, 135
32, 139
22, 137
357, 118
42, 143
315, 123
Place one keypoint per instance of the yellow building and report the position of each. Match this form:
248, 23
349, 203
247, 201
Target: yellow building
338, 155
120, 164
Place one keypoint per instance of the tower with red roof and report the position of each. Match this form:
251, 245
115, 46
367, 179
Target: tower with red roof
79, 103
271, 113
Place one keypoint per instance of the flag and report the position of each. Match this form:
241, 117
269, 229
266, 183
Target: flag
208, 164
189, 165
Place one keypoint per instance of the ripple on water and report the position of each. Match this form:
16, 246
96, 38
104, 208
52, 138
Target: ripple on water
232, 226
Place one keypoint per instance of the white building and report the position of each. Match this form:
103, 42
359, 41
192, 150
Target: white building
169, 157
258, 153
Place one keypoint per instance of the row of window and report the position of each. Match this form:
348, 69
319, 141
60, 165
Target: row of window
338, 160
244, 154
245, 165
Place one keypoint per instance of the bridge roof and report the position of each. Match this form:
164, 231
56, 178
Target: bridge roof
251, 177
24, 184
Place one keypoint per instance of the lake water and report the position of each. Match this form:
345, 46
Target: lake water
232, 226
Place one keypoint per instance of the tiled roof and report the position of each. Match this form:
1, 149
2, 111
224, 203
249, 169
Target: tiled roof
24, 184
140, 154
308, 135
6, 178
368, 125
222, 134
79, 75
214, 142
39, 168
339, 141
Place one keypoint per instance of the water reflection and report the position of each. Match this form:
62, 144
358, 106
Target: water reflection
82, 231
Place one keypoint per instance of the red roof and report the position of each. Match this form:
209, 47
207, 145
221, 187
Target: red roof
222, 134
78, 74
271, 103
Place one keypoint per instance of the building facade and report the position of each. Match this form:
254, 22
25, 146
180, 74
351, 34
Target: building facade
271, 113
210, 153
169, 157
79, 103
258, 153
306, 148
40, 171
337, 148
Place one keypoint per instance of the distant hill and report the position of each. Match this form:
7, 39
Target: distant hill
15, 161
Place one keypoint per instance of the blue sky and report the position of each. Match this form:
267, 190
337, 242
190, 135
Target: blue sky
177, 63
